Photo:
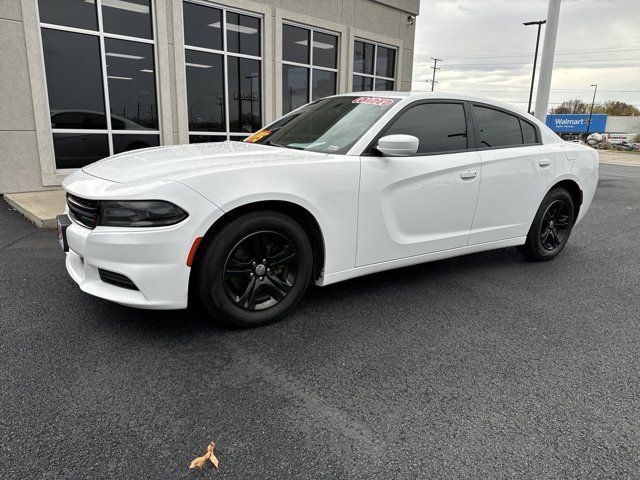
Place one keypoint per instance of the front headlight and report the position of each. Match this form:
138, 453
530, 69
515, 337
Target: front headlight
139, 213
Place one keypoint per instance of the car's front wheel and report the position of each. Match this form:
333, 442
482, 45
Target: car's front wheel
255, 269
551, 226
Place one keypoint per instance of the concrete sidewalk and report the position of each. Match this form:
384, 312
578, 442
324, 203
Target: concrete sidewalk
39, 207
614, 157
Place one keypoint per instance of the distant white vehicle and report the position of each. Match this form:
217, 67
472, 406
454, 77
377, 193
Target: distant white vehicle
346, 186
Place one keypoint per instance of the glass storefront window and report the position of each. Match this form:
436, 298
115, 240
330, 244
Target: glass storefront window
295, 44
132, 86
72, 94
69, 13
75, 150
76, 67
127, 17
295, 86
324, 84
244, 94
374, 67
128, 142
243, 34
202, 26
222, 98
309, 65
205, 91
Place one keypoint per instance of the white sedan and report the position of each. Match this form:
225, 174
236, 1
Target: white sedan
346, 186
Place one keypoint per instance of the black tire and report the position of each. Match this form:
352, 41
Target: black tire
551, 226
237, 287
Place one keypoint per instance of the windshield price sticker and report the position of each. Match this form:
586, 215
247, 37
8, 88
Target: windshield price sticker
381, 102
257, 136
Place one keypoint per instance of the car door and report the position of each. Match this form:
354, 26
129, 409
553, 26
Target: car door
422, 203
517, 170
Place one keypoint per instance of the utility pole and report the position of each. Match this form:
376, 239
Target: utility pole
434, 68
591, 111
546, 63
535, 58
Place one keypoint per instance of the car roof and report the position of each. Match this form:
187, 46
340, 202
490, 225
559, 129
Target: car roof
420, 95
407, 97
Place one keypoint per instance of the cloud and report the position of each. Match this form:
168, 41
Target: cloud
488, 52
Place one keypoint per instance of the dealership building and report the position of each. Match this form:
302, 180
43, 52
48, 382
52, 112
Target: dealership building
85, 79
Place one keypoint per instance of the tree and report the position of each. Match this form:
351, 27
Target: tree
571, 106
614, 107
611, 107
636, 138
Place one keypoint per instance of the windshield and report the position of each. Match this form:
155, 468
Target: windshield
330, 125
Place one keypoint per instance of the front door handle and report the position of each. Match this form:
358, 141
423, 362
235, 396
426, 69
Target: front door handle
544, 162
467, 174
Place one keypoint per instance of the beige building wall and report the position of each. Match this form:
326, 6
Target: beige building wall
27, 160
19, 158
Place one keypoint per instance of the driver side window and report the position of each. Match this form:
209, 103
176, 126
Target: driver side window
440, 127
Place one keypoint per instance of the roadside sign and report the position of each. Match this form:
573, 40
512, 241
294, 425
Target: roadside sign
576, 123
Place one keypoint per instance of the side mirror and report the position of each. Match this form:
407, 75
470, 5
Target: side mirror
398, 145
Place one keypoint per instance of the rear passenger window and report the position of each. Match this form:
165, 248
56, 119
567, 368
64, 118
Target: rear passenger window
528, 133
497, 129
440, 127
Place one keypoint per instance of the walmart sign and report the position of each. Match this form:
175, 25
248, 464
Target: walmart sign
577, 123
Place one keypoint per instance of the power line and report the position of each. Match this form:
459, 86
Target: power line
565, 52
499, 66
500, 85
562, 61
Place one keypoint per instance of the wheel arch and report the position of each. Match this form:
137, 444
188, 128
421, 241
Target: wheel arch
297, 212
574, 190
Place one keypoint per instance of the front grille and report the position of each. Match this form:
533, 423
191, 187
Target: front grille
83, 211
116, 279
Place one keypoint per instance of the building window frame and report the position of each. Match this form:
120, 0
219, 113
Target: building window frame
374, 76
102, 35
310, 66
228, 134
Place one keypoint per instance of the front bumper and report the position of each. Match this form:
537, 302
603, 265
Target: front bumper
154, 259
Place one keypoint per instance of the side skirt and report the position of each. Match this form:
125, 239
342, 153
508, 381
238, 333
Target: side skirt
335, 277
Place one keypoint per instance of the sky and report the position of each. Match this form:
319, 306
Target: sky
486, 51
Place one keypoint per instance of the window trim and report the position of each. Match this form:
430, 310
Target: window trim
370, 150
225, 53
476, 127
310, 66
374, 76
101, 35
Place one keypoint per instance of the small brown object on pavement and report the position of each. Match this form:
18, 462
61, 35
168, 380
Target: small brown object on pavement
210, 455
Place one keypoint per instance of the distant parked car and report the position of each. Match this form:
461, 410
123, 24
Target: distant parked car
622, 146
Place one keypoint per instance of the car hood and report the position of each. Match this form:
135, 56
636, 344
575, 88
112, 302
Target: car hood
181, 161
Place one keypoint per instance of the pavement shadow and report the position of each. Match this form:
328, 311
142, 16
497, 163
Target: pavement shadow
194, 322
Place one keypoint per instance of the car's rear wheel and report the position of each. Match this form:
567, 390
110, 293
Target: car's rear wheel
551, 226
255, 269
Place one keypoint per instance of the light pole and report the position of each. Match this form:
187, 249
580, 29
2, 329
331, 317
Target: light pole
546, 60
535, 58
591, 111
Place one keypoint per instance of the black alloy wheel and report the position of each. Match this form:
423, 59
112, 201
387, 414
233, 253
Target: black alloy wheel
551, 226
554, 228
261, 270
253, 270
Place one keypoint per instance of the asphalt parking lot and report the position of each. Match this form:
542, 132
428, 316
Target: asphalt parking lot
483, 366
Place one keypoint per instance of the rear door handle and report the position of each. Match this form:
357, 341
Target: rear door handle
467, 174
544, 162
